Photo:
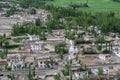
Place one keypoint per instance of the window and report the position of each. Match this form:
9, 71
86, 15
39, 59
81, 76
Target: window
41, 62
111, 67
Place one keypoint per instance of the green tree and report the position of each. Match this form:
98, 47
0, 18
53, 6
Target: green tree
30, 76
11, 77
57, 77
37, 22
8, 68
33, 71
118, 76
100, 72
33, 11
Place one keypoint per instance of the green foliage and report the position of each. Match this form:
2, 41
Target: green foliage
11, 46
66, 70
3, 54
99, 47
5, 42
85, 78
89, 52
57, 77
32, 11
4, 5
53, 22
11, 11
8, 68
38, 22
19, 39
94, 6
100, 71
106, 51
61, 49
29, 28
117, 0
118, 76
81, 5
31, 74
83, 68
47, 64
32, 3
100, 40
11, 77
78, 41
107, 22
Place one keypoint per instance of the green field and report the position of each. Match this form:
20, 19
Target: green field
94, 5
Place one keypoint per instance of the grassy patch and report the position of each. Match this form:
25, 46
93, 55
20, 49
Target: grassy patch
94, 5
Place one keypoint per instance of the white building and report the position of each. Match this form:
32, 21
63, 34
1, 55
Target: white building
29, 60
33, 37
42, 62
15, 61
116, 42
89, 38
79, 75
93, 28
72, 51
105, 57
18, 16
105, 71
2, 13
33, 46
117, 52
37, 46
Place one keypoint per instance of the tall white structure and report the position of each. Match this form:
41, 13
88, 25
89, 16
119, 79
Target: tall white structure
14, 61
72, 50
33, 37
105, 57
37, 46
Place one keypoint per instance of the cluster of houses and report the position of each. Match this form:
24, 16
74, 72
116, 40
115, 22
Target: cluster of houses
41, 54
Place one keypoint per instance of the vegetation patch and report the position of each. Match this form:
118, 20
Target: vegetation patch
117, 0
82, 42
82, 5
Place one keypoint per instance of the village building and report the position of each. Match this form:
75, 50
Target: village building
80, 75
93, 28
17, 16
46, 61
105, 71
33, 37
2, 12
89, 38
117, 52
105, 57
15, 61
33, 46
73, 50
3, 63
29, 60
59, 33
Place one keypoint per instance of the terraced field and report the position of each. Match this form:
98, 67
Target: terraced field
94, 5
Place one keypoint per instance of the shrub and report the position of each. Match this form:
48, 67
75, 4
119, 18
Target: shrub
89, 52
117, 0
99, 47
82, 42
106, 51
33, 11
